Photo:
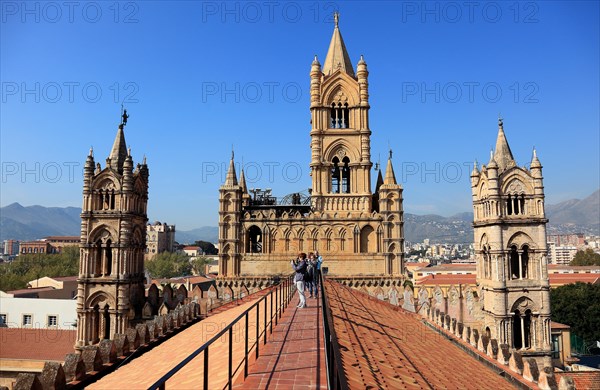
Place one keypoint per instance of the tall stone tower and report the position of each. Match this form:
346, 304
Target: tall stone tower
113, 241
510, 245
357, 231
231, 196
340, 134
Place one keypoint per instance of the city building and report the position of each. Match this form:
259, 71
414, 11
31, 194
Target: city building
11, 247
160, 237
560, 254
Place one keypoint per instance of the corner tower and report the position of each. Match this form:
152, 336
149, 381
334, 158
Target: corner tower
510, 245
113, 241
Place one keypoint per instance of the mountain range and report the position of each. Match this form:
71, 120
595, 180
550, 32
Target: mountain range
571, 216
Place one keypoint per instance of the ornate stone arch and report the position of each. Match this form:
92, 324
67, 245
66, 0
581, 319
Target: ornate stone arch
520, 239
341, 148
340, 87
523, 304
102, 299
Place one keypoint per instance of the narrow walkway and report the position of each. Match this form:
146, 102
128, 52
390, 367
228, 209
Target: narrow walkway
295, 355
152, 365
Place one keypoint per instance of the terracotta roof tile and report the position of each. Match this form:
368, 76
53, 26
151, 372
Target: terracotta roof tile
560, 279
36, 344
386, 347
589, 380
447, 279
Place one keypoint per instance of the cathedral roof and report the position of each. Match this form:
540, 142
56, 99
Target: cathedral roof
377, 350
337, 56
118, 154
503, 155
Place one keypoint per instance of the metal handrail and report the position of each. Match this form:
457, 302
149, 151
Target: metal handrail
333, 359
283, 294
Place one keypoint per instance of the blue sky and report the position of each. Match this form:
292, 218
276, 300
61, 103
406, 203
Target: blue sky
199, 77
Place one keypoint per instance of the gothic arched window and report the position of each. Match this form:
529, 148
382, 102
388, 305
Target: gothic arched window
335, 176
345, 176
254, 240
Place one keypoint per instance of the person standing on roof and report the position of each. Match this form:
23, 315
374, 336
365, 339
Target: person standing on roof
300, 266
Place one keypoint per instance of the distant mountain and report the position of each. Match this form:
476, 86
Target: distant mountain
571, 216
585, 212
33, 222
205, 233
452, 230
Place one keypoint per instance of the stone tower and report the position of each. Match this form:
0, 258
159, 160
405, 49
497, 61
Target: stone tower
510, 246
357, 231
113, 242
231, 196
340, 135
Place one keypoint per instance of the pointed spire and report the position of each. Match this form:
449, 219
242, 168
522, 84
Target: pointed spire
379, 180
119, 151
475, 171
503, 155
91, 151
492, 163
337, 56
535, 162
390, 178
243, 181
231, 179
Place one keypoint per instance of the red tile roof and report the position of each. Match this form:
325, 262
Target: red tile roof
561, 279
558, 325
589, 380
36, 344
446, 279
383, 346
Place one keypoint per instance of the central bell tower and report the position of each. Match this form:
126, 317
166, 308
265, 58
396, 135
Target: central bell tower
340, 135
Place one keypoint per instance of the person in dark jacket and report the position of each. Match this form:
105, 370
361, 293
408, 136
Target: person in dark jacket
299, 265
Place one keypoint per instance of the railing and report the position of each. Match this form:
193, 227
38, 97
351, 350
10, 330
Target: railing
335, 371
281, 294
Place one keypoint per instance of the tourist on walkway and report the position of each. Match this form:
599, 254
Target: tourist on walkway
309, 277
317, 273
299, 265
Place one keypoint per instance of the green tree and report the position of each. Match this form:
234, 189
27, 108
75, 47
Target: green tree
578, 305
199, 265
587, 257
169, 265
207, 247
15, 274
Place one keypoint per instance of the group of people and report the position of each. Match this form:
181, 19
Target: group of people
307, 276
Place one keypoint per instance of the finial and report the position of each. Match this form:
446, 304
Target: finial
144, 160
500, 123
491, 154
336, 18
129, 151
390, 154
534, 152
475, 164
91, 151
232, 154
